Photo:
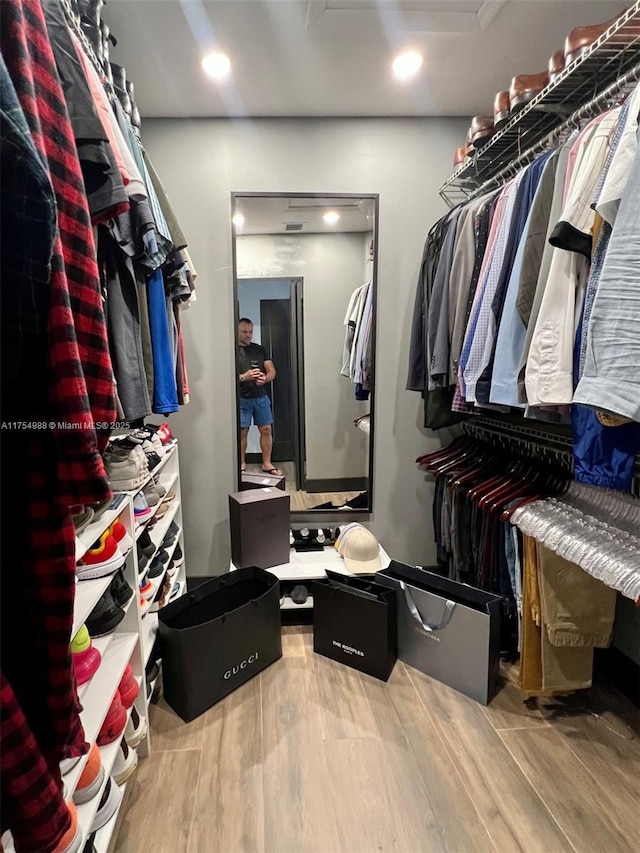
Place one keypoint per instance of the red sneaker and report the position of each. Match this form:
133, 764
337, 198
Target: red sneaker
114, 723
119, 533
128, 688
103, 558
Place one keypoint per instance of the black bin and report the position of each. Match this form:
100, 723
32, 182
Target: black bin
217, 637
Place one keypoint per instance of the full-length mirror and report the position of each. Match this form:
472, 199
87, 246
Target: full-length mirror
305, 309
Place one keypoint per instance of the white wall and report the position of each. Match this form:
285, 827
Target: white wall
250, 292
201, 162
331, 268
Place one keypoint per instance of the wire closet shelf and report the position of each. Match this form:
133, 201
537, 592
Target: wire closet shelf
606, 71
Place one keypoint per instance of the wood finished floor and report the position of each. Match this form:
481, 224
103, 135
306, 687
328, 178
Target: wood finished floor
313, 756
301, 500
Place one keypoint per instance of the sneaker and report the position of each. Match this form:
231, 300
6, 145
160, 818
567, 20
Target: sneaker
165, 434
120, 534
162, 596
171, 534
82, 519
175, 591
143, 561
105, 616
172, 568
151, 494
151, 676
89, 847
141, 508
71, 841
153, 460
136, 729
125, 763
114, 723
147, 589
120, 589
91, 779
68, 764
145, 544
86, 658
127, 474
103, 558
128, 688
109, 805
178, 557
158, 564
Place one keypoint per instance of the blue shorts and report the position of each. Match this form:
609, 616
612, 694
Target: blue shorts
257, 407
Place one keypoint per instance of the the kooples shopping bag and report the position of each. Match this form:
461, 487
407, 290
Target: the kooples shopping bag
355, 623
447, 630
217, 637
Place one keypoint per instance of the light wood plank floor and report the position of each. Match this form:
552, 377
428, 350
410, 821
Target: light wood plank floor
301, 500
313, 756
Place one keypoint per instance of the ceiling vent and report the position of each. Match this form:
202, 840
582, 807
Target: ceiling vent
293, 226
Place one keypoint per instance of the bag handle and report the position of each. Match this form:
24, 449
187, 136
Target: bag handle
449, 607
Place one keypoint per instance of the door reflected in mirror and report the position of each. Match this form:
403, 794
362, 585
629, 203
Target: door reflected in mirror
305, 308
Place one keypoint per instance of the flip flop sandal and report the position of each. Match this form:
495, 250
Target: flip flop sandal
273, 471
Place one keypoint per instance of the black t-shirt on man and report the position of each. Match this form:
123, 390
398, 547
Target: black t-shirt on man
256, 353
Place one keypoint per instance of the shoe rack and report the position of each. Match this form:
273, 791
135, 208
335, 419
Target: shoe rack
132, 640
613, 58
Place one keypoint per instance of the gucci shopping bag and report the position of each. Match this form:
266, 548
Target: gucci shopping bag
355, 623
446, 629
218, 636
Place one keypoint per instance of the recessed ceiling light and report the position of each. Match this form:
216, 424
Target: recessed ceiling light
331, 217
217, 65
238, 220
407, 64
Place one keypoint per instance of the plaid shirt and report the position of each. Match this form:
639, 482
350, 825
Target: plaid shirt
44, 473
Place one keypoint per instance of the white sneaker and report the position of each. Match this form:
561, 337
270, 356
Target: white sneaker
125, 763
136, 729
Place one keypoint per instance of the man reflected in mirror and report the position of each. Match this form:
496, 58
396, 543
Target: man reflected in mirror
255, 372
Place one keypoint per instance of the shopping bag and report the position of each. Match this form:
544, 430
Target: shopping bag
446, 629
355, 623
218, 636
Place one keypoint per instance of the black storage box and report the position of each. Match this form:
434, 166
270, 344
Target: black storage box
355, 623
253, 480
446, 629
259, 521
218, 636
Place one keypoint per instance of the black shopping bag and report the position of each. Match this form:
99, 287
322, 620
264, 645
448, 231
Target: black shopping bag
446, 629
355, 623
217, 637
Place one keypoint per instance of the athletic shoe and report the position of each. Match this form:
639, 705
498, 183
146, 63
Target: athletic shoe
178, 557
127, 474
125, 763
143, 561
105, 616
114, 723
71, 841
145, 544
82, 519
136, 729
146, 588
172, 568
141, 508
109, 805
119, 533
68, 764
91, 778
103, 558
120, 589
86, 658
151, 676
175, 591
89, 847
151, 494
128, 688
158, 564
165, 434
162, 597
171, 534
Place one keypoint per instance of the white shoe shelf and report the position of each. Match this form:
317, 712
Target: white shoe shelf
132, 641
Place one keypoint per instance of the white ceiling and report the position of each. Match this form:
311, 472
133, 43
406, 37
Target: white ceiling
271, 215
332, 57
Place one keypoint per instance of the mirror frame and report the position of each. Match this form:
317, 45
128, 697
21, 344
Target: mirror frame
309, 515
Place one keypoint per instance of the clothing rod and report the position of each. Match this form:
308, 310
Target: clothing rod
72, 22
596, 103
